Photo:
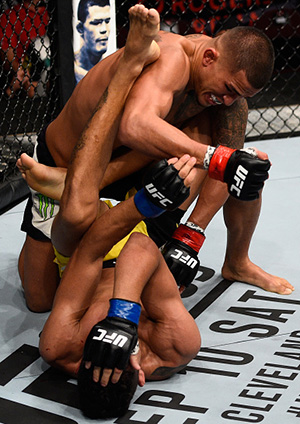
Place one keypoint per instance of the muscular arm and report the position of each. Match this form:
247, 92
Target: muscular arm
61, 342
229, 124
228, 128
143, 126
170, 335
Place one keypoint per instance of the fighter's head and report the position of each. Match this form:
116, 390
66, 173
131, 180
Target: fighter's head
106, 402
238, 63
249, 49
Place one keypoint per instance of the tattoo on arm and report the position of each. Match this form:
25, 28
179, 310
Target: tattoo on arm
193, 35
229, 124
81, 142
189, 107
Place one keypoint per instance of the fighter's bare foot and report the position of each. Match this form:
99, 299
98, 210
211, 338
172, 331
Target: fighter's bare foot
253, 274
144, 27
44, 179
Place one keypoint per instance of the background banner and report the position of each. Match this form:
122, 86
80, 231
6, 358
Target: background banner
94, 33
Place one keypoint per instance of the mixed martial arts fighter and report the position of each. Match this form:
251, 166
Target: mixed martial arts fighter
90, 301
205, 72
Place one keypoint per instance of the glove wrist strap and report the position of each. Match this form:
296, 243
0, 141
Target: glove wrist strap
145, 206
208, 155
190, 237
195, 227
125, 309
218, 162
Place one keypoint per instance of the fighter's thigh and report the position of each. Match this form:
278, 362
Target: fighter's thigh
38, 273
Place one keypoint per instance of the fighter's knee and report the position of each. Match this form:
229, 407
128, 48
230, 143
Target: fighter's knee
143, 244
127, 129
38, 305
79, 218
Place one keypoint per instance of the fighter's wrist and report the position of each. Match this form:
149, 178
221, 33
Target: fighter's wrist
218, 162
208, 155
126, 309
189, 237
145, 206
195, 227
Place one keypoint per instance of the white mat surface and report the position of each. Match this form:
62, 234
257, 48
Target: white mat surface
248, 367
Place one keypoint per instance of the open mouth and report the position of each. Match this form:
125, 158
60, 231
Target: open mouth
215, 99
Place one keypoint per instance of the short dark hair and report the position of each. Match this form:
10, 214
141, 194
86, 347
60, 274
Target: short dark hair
84, 5
112, 401
249, 49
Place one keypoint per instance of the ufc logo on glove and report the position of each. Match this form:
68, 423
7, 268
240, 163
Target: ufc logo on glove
114, 338
239, 178
186, 259
164, 201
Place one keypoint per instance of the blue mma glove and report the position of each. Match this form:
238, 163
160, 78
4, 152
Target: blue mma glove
163, 190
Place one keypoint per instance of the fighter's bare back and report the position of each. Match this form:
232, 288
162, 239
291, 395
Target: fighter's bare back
63, 133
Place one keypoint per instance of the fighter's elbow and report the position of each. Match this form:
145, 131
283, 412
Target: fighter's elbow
129, 128
54, 358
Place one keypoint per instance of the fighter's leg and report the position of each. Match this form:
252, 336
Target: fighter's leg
241, 219
39, 286
218, 125
50, 181
228, 128
44, 179
62, 337
79, 203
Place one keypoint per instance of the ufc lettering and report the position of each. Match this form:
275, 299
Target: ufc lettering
155, 193
114, 338
240, 177
186, 259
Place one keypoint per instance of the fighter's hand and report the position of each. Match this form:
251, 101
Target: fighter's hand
181, 254
166, 186
111, 341
244, 171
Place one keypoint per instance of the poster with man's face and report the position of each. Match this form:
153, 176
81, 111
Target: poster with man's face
94, 33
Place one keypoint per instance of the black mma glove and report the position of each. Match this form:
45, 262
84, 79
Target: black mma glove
181, 253
241, 169
112, 341
163, 190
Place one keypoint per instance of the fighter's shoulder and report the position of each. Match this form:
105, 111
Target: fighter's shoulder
175, 53
175, 42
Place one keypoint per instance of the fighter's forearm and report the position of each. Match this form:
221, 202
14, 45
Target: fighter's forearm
211, 198
123, 166
153, 136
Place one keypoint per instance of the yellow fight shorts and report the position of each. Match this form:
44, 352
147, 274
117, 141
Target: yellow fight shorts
114, 252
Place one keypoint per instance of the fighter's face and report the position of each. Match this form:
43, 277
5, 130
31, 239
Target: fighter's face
96, 29
216, 84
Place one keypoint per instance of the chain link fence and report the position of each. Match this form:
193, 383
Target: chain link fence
31, 67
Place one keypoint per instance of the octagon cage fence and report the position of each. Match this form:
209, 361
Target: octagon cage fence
37, 73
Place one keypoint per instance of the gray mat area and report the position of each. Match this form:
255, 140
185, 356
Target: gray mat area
249, 364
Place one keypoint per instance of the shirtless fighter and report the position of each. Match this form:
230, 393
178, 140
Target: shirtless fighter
91, 302
204, 76
168, 336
